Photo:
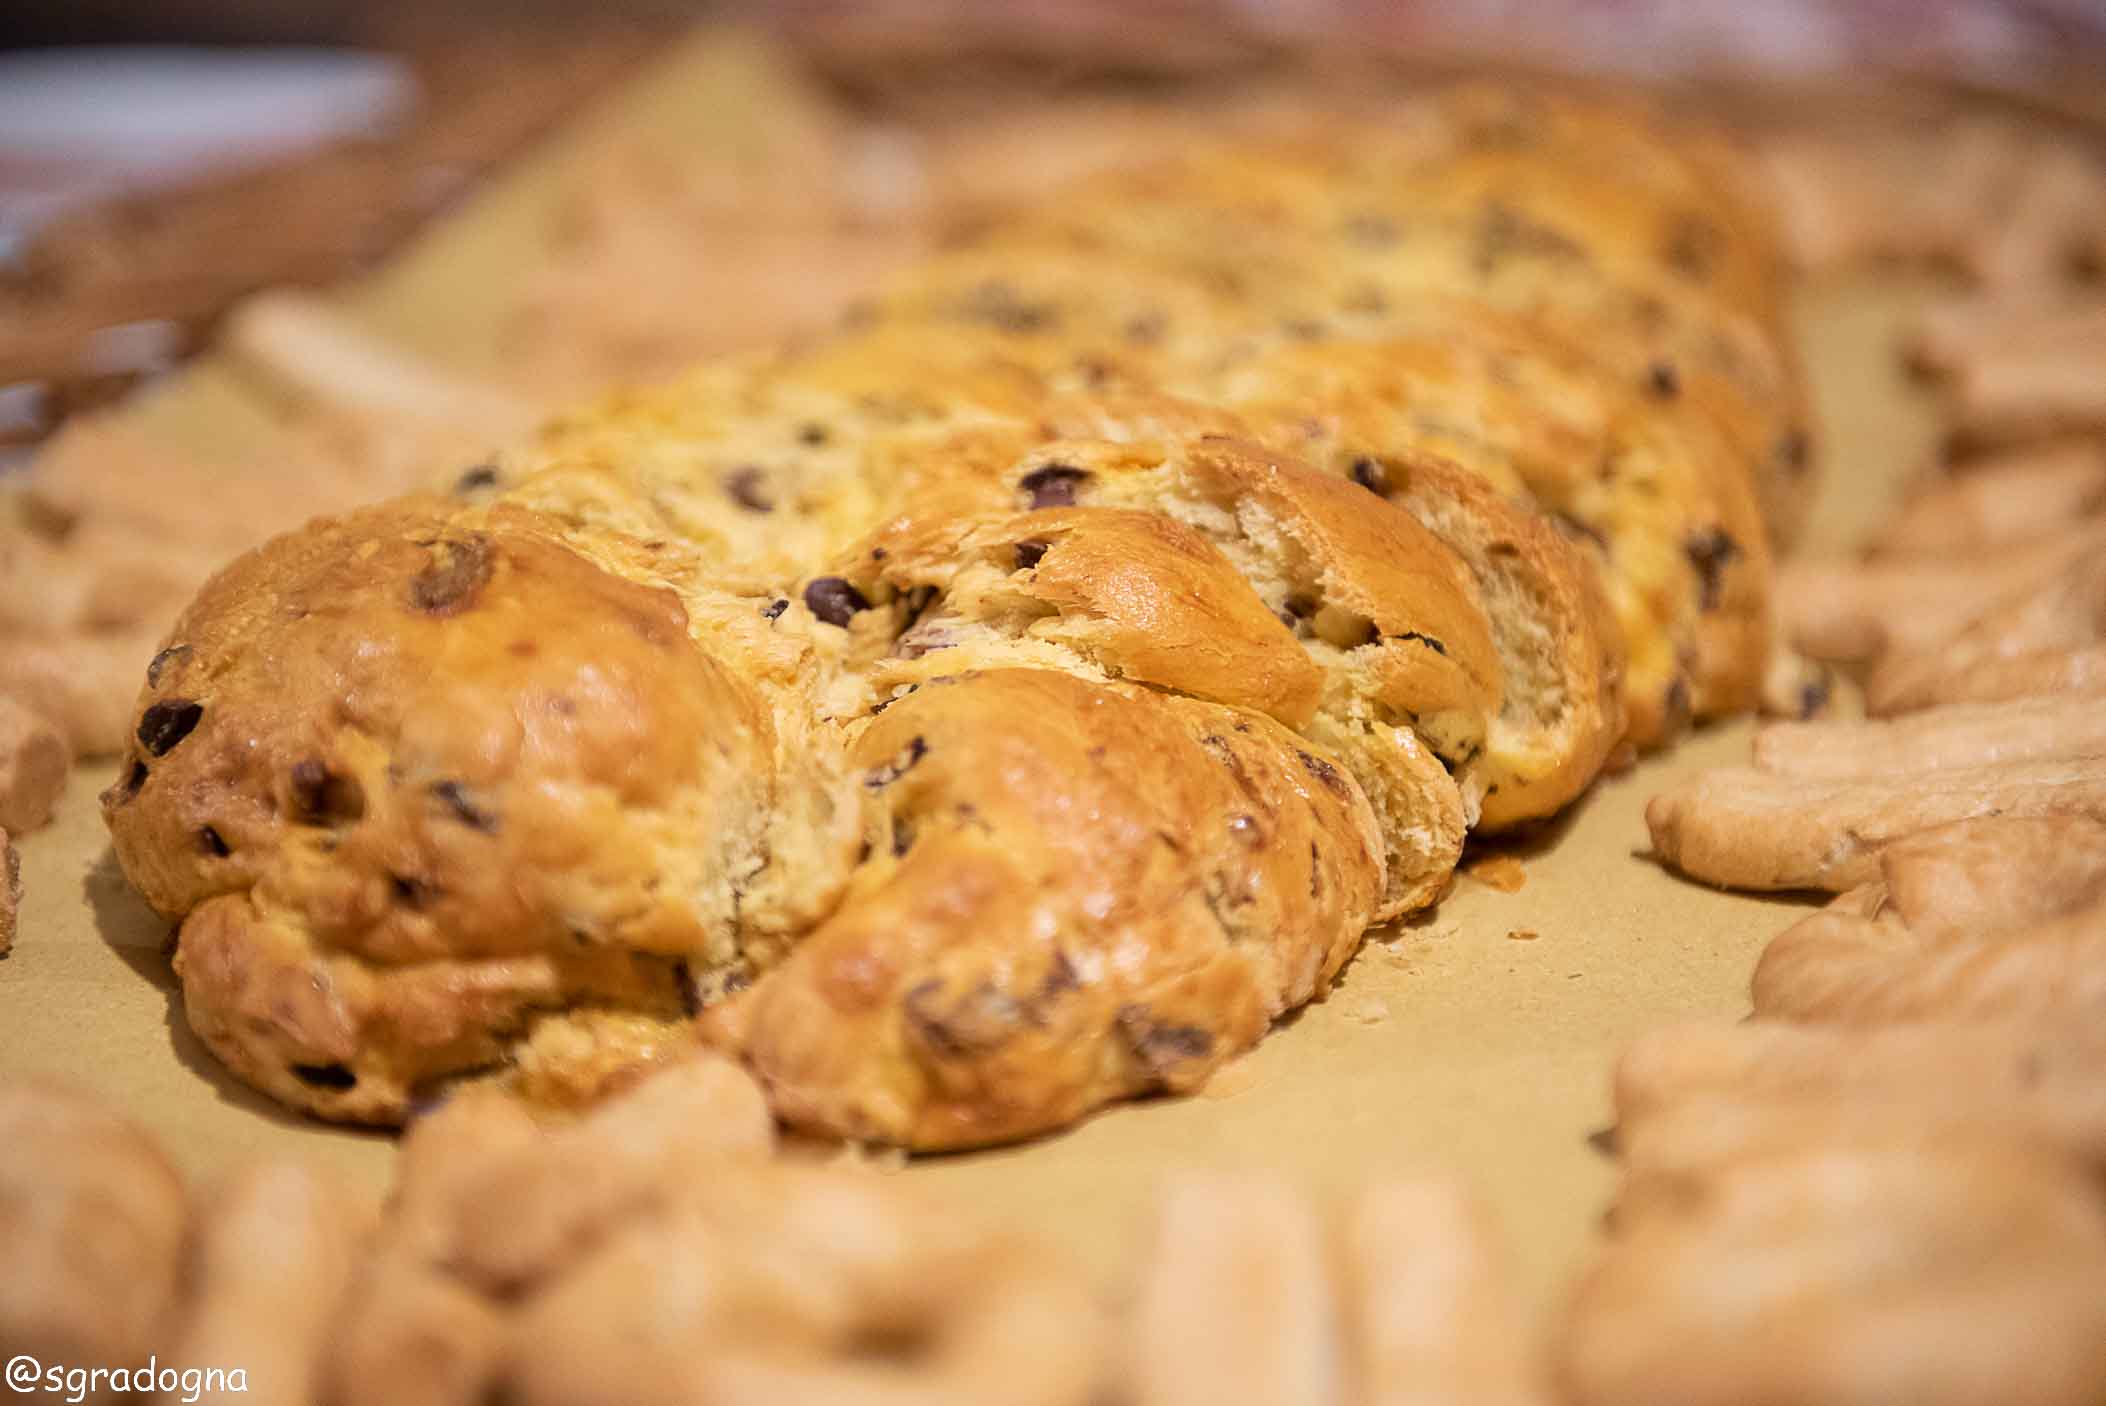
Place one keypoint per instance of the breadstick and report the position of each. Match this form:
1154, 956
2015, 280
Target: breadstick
412, 1337
411, 1332
312, 348
101, 473
2011, 497
42, 589
1700, 1095
2077, 671
83, 683
1994, 875
275, 1251
1854, 971
1985, 159
105, 574
34, 760
92, 1219
1235, 1302
1430, 1318
446, 1154
2061, 196
1743, 828
1849, 611
2065, 612
1823, 212
1937, 1270
1952, 336
631, 1324
1952, 735
779, 1286
2030, 392
551, 1200
1703, 1134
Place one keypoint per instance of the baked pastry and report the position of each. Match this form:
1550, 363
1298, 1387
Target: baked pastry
269, 1258
1936, 1266
983, 713
1247, 1296
1699, 1095
34, 759
393, 838
92, 1220
1313, 287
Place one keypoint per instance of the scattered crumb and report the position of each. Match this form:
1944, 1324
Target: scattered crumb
1404, 948
1426, 925
1238, 1076
1364, 1010
1522, 935
1499, 871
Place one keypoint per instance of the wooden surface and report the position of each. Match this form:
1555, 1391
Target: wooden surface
185, 255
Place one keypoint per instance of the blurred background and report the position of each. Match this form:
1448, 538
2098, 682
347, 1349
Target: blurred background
159, 161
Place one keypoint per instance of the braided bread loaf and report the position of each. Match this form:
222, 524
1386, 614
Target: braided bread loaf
1019, 699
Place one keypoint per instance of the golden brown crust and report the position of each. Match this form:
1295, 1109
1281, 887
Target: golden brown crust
1136, 595
1634, 456
418, 773
1682, 566
1412, 679
1552, 628
1347, 619
1433, 657
1305, 543
1003, 966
